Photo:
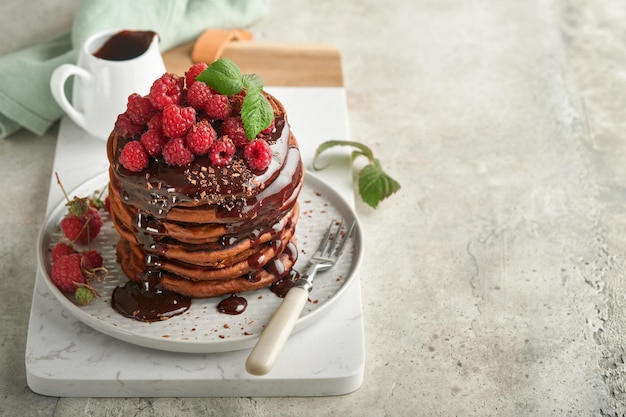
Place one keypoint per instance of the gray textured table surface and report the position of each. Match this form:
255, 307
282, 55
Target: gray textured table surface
495, 286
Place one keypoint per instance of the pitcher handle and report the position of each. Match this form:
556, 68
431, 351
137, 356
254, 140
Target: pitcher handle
57, 87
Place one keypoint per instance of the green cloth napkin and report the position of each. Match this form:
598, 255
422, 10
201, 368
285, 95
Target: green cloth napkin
25, 97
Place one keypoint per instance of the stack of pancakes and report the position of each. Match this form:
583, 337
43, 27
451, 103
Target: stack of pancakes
206, 230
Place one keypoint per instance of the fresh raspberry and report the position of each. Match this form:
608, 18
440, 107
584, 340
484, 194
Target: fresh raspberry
269, 129
82, 229
257, 154
92, 259
177, 120
107, 204
125, 127
133, 156
233, 128
155, 122
66, 272
166, 90
60, 250
221, 152
176, 153
195, 70
200, 137
139, 109
218, 107
84, 295
153, 141
197, 94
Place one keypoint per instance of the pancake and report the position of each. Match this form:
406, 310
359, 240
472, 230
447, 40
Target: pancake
204, 230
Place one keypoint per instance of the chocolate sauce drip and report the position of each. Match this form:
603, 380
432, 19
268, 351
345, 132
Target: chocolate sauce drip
148, 232
145, 301
282, 286
232, 305
124, 45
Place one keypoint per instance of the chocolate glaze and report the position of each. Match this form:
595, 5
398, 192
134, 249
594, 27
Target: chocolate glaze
235, 188
126, 44
285, 278
145, 301
232, 305
283, 285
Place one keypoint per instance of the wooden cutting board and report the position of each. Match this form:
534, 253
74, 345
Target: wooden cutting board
278, 64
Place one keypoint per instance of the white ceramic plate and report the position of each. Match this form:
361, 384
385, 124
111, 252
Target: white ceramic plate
202, 329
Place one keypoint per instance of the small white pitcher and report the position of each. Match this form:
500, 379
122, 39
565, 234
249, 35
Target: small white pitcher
101, 86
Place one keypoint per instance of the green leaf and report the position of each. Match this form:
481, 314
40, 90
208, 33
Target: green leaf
256, 112
375, 185
365, 151
224, 76
252, 82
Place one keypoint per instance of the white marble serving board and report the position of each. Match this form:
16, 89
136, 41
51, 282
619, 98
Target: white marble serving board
66, 358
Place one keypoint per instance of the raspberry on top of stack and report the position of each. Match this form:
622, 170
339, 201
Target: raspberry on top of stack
203, 206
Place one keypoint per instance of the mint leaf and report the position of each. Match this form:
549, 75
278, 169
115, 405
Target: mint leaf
256, 112
224, 76
252, 82
373, 183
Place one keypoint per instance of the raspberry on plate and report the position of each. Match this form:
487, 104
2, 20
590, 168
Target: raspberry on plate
66, 272
166, 90
222, 151
139, 109
60, 250
257, 154
217, 106
125, 127
193, 72
200, 137
233, 128
155, 122
153, 141
198, 94
175, 152
92, 259
177, 120
133, 156
82, 228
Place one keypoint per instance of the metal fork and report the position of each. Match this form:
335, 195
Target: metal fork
273, 339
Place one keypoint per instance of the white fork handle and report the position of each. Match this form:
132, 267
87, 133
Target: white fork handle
273, 339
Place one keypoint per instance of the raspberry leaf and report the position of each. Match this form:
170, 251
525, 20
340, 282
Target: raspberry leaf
256, 113
224, 76
373, 183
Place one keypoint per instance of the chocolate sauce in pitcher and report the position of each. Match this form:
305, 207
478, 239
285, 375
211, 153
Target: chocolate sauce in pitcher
125, 45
